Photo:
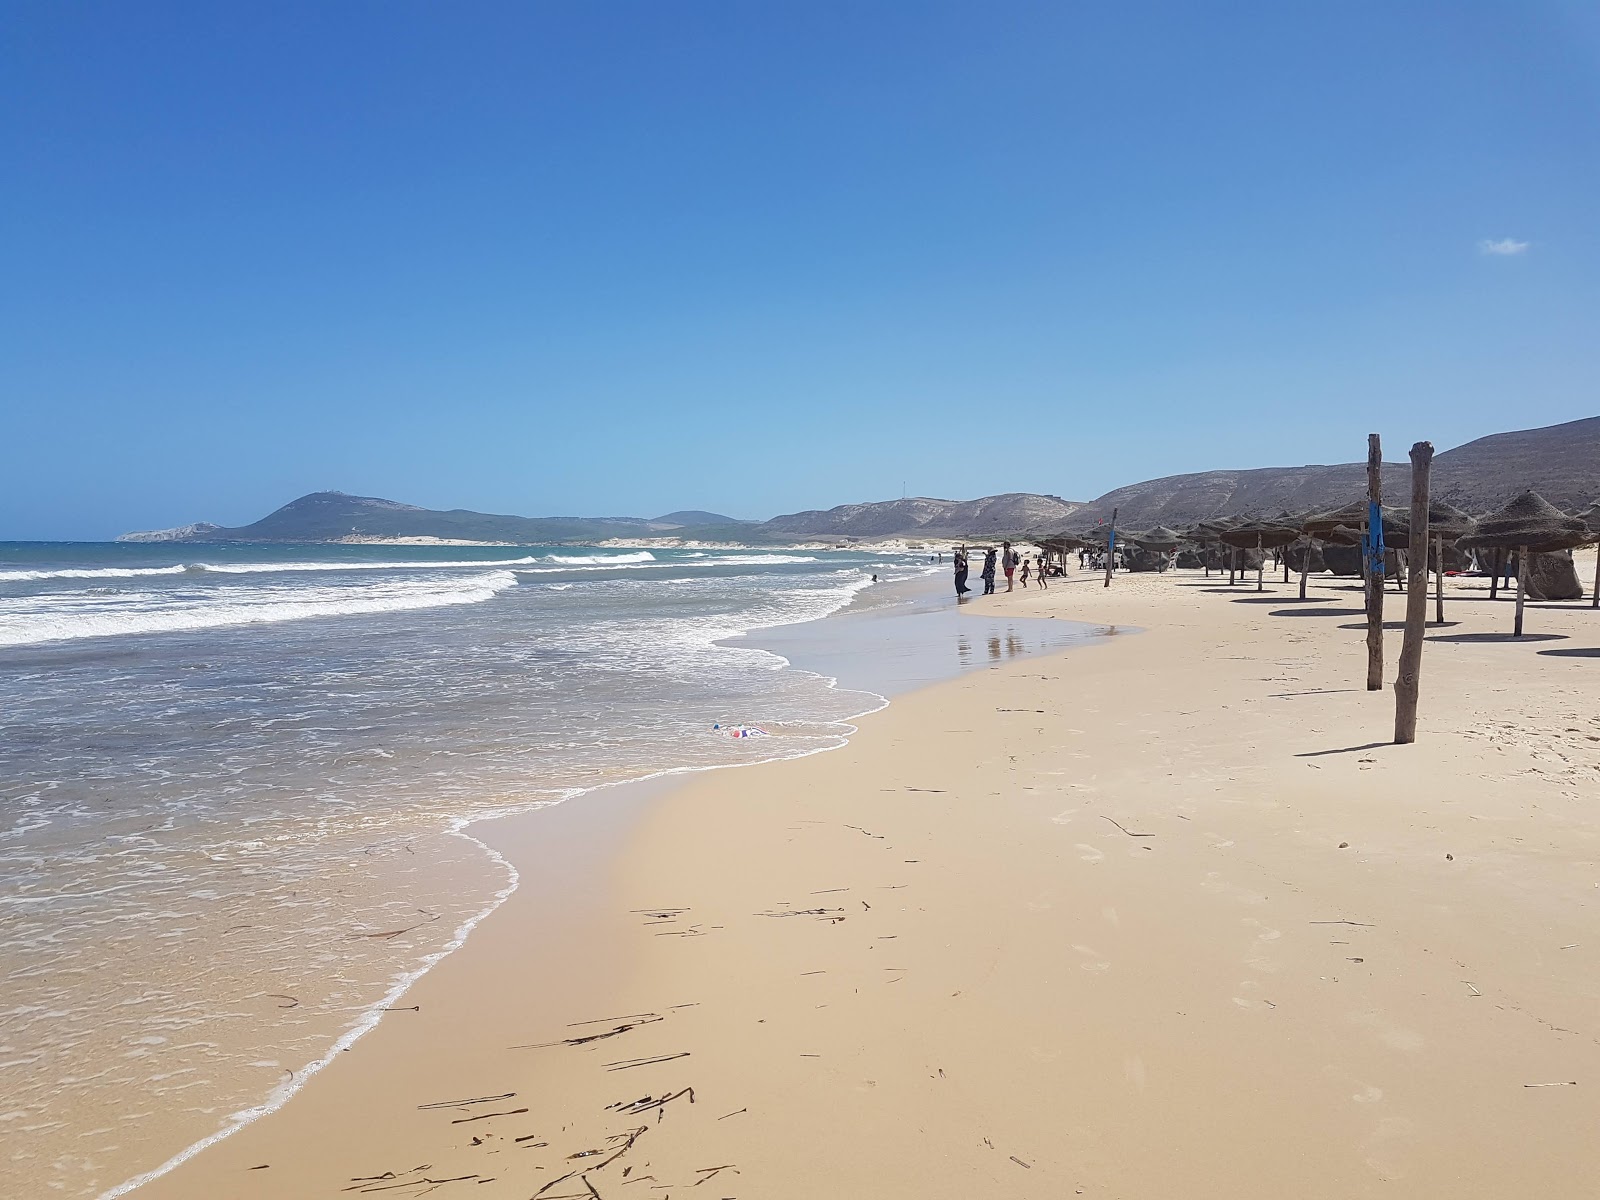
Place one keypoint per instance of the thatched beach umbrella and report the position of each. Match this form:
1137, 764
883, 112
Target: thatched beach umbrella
1343, 526
1530, 524
1059, 544
1207, 535
1157, 538
1263, 536
1446, 523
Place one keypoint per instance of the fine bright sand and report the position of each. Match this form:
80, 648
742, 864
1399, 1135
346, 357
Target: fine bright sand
1162, 916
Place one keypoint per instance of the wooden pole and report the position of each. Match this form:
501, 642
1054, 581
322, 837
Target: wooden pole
1111, 547
1375, 567
1233, 563
1494, 581
1522, 575
1438, 578
1305, 563
1595, 603
1261, 563
1407, 683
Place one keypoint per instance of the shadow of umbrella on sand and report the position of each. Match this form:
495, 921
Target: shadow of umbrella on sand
1530, 524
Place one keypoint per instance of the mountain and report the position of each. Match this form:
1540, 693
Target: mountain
331, 516
919, 516
695, 516
1561, 462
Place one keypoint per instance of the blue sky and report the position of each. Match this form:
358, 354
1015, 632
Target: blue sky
587, 257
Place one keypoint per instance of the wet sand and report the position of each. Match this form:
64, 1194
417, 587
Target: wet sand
1160, 915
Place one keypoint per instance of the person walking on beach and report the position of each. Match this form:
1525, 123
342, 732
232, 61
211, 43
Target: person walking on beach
1041, 573
988, 571
1008, 561
1027, 565
961, 574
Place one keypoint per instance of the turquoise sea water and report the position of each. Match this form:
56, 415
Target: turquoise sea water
237, 782
229, 773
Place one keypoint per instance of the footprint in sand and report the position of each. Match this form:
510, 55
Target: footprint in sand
1090, 854
1382, 1148
1258, 959
1110, 915
1214, 882
1092, 960
1396, 1037
1064, 817
1252, 1003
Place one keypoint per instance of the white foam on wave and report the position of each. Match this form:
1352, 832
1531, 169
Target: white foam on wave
57, 618
599, 560
632, 563
253, 568
788, 610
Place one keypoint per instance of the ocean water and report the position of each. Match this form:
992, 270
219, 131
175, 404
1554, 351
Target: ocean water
234, 782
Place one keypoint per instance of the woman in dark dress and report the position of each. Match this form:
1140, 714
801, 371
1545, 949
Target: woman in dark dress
961, 573
988, 572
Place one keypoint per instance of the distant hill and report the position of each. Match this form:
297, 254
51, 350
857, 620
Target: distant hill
330, 516
695, 516
1561, 462
919, 516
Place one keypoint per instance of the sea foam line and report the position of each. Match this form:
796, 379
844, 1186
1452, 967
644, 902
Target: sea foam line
25, 629
282, 1094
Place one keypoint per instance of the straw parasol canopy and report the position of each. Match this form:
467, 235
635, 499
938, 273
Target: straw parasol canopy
1444, 520
1529, 522
1209, 530
1157, 538
1334, 523
1591, 517
1247, 535
1060, 543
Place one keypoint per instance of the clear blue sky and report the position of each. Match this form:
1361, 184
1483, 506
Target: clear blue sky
595, 258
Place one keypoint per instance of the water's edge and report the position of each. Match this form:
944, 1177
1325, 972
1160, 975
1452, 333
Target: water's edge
859, 622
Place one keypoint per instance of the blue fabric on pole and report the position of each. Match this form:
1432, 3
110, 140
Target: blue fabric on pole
1372, 547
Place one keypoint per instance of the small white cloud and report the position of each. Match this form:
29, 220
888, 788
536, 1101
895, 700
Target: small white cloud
1505, 246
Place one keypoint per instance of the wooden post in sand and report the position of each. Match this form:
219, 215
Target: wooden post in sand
1374, 566
1595, 603
1494, 580
1111, 547
1305, 564
1522, 575
1233, 564
1438, 578
1408, 682
1261, 563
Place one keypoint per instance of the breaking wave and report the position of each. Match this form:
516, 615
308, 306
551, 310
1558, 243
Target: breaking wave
27, 622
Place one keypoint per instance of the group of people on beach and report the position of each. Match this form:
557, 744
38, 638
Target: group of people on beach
1007, 559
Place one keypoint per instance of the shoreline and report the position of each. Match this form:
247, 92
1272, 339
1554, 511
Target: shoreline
686, 834
874, 603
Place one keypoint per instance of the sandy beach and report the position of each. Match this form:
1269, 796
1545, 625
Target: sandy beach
1161, 915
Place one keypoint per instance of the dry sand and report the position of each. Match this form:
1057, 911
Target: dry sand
1162, 916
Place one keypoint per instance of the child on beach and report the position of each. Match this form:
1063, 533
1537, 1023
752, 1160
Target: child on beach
1027, 565
1040, 573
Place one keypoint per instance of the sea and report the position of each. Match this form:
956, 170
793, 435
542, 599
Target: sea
237, 785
